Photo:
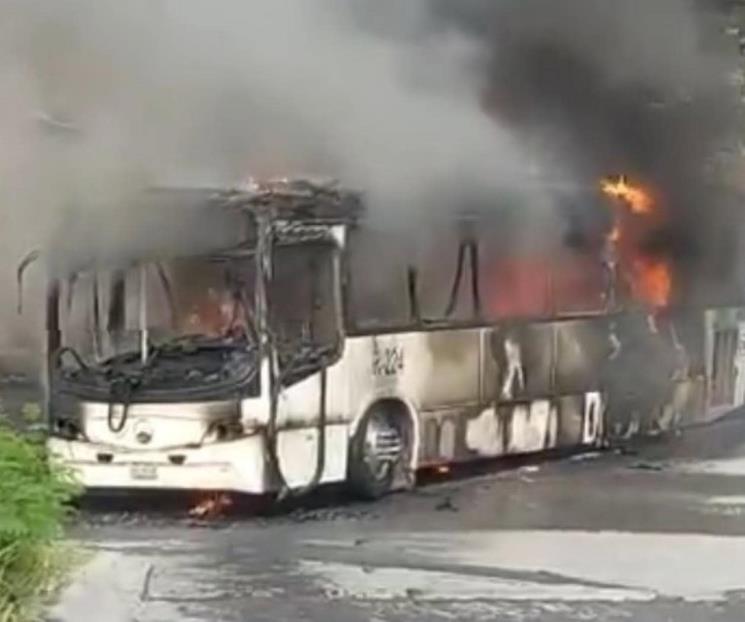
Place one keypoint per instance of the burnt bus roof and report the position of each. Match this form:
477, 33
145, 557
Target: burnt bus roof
301, 200
308, 200
178, 221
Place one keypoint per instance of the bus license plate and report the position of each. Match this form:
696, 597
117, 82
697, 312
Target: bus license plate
143, 471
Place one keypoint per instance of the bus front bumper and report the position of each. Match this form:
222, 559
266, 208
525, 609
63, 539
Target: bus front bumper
232, 466
240, 466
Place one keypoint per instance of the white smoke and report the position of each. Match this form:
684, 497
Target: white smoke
99, 98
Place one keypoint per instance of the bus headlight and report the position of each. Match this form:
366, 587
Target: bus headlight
67, 428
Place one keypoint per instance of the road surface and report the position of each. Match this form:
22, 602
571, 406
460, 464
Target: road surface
656, 534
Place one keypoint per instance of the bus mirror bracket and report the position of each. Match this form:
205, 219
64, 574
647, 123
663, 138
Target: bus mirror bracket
20, 272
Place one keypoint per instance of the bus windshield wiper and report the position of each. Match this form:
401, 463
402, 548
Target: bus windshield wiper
187, 344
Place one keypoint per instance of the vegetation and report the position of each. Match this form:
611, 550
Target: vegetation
34, 505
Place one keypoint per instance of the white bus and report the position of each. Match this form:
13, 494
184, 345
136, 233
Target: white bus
299, 346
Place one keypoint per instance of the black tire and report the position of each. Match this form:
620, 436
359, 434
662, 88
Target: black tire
364, 480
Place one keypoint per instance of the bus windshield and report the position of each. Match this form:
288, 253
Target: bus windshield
191, 322
106, 314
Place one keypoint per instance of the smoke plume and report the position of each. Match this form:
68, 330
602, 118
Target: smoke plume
642, 89
426, 105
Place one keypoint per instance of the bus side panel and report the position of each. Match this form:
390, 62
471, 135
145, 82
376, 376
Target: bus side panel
523, 388
431, 370
540, 390
461, 435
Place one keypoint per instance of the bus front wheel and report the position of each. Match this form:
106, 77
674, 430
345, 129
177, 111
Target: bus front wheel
374, 453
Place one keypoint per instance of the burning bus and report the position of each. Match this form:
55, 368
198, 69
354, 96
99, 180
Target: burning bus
301, 345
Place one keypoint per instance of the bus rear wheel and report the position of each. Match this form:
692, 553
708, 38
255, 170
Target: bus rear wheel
374, 454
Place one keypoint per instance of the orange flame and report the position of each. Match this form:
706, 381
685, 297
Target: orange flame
650, 277
211, 506
637, 198
653, 282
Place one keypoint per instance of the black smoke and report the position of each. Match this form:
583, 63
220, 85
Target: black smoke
640, 87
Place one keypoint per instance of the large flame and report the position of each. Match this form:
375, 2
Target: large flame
649, 277
638, 200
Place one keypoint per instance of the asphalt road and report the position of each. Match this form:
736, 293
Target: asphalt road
655, 535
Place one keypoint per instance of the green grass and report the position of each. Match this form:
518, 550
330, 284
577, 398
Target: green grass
34, 507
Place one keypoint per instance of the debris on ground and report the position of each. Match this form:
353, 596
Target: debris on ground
446, 505
592, 455
646, 466
623, 450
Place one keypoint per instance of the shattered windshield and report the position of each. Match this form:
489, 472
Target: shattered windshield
191, 323
162, 325
113, 313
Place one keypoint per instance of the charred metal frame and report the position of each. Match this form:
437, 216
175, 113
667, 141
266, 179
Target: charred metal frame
269, 235
284, 214
54, 339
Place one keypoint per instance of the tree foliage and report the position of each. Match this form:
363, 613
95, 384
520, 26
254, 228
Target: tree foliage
34, 505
